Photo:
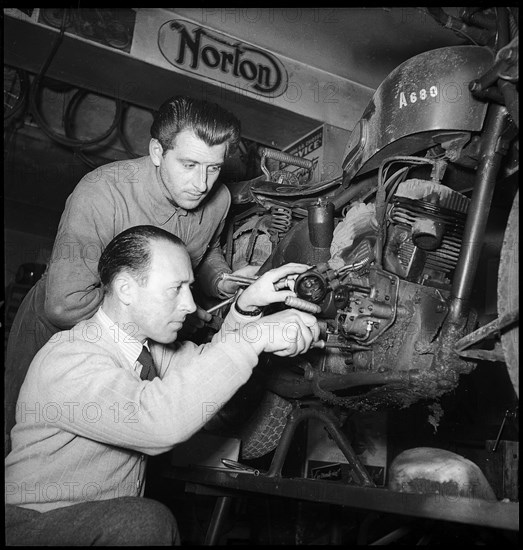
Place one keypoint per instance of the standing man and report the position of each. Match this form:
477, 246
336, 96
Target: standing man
101, 397
172, 188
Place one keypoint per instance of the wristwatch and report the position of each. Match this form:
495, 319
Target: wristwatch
253, 313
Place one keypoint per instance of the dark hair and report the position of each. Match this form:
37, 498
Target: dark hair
130, 251
210, 122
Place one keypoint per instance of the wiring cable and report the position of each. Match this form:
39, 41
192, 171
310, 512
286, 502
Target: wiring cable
121, 133
44, 126
68, 126
383, 198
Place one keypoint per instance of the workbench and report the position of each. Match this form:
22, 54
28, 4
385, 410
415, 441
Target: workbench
361, 493
227, 484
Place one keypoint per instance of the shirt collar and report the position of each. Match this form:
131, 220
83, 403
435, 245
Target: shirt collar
128, 345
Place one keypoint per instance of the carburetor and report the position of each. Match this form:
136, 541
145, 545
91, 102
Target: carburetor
362, 308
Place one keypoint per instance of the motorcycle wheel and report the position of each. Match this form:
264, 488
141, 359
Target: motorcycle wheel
508, 292
263, 431
254, 415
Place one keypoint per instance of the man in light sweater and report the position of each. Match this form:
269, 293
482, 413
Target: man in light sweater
75, 475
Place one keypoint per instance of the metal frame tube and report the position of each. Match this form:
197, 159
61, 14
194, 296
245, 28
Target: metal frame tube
474, 233
329, 421
219, 515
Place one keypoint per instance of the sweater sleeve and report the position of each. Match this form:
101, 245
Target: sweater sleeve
73, 288
111, 405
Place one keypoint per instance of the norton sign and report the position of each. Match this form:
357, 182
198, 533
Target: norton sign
199, 51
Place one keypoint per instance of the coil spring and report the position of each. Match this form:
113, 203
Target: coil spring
281, 219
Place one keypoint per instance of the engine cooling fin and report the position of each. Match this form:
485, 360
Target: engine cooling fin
433, 192
417, 200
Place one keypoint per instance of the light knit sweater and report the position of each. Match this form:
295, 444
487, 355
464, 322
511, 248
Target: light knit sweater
85, 421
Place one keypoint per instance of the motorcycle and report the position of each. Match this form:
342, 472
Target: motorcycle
395, 243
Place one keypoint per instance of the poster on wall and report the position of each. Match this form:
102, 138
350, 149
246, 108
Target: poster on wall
214, 56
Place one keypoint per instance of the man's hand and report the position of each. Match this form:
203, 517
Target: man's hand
230, 287
285, 333
262, 292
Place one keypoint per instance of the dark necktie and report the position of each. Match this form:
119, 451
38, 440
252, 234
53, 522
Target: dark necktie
148, 368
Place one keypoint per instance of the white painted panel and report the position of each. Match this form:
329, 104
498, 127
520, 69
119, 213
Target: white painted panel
310, 91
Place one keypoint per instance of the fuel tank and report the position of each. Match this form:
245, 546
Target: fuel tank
425, 97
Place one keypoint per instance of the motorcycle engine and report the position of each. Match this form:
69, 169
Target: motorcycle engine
383, 304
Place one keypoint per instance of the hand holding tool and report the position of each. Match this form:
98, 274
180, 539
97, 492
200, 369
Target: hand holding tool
322, 344
246, 281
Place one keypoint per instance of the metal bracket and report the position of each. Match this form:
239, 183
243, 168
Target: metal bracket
296, 416
482, 333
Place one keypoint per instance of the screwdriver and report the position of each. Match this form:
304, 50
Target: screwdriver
221, 304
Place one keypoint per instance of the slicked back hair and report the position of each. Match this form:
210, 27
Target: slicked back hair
210, 123
131, 251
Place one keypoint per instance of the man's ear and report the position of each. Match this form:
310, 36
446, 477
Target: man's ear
123, 287
155, 151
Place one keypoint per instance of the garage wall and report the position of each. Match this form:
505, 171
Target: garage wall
20, 248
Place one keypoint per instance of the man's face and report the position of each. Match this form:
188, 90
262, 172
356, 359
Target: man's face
188, 170
158, 309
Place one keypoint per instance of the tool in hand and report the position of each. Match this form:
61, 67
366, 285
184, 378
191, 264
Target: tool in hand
322, 344
246, 281
240, 279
